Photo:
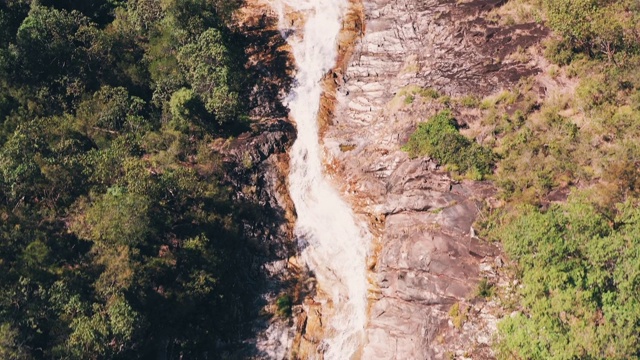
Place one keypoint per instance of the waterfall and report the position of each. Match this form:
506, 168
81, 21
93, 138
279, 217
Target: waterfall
333, 241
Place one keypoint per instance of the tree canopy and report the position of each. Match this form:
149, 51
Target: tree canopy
113, 242
567, 173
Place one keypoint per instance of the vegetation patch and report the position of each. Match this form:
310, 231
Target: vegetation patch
118, 237
458, 314
409, 93
469, 101
579, 281
347, 147
440, 139
573, 254
284, 304
485, 288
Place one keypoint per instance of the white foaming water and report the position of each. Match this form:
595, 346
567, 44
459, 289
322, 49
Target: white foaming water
334, 243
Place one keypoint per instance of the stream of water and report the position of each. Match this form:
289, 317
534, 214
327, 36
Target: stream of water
333, 241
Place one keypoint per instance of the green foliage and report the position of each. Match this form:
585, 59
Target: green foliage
409, 93
429, 93
112, 109
116, 218
208, 69
440, 139
562, 143
458, 314
105, 332
185, 105
61, 40
111, 112
595, 27
10, 347
18, 168
469, 101
117, 237
485, 288
408, 99
284, 303
576, 260
578, 283
559, 52
571, 18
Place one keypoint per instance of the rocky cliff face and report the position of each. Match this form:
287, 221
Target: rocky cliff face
427, 261
256, 167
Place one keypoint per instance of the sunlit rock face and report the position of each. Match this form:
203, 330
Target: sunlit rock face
427, 256
372, 223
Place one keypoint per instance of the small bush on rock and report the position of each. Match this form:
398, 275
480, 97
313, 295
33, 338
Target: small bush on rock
440, 139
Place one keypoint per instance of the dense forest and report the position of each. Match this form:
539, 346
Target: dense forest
576, 259
117, 239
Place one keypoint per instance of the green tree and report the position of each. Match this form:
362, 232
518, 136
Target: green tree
207, 66
595, 26
185, 108
572, 19
104, 332
60, 39
116, 236
578, 283
111, 112
10, 346
115, 218
19, 172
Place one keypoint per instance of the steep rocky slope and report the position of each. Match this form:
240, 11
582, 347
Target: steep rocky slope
257, 165
427, 257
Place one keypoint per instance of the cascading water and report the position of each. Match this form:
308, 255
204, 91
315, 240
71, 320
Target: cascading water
334, 243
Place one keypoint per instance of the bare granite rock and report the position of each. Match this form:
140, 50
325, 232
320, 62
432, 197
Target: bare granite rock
427, 256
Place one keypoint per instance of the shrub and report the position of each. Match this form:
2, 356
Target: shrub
429, 93
284, 303
445, 100
469, 101
409, 99
440, 139
409, 93
595, 27
485, 288
458, 315
594, 91
182, 105
559, 52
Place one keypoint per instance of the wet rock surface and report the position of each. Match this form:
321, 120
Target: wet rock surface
426, 257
